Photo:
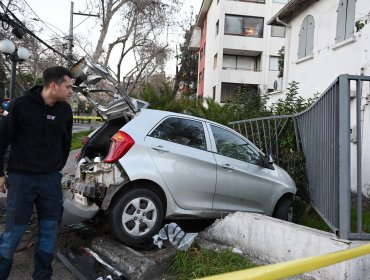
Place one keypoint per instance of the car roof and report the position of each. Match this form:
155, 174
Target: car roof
159, 114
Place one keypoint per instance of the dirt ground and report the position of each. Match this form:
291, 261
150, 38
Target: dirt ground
23, 258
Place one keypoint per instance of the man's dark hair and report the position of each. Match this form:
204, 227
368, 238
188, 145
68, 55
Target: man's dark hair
55, 74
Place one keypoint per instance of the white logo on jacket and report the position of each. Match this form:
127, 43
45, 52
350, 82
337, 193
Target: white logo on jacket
50, 117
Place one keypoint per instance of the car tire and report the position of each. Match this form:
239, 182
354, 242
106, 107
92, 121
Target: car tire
284, 210
136, 216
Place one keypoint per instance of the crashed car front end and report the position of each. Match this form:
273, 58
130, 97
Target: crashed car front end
92, 189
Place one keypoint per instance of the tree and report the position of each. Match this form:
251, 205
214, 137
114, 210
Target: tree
281, 54
188, 72
142, 22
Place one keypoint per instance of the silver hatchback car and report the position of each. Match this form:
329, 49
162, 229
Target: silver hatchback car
143, 166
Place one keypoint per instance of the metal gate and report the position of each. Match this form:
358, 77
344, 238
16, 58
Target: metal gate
323, 132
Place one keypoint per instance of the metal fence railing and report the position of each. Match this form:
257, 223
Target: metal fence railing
265, 132
323, 131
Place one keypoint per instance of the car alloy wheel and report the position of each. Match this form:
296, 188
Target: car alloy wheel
136, 216
139, 216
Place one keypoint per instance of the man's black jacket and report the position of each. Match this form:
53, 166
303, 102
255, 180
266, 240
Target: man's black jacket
40, 135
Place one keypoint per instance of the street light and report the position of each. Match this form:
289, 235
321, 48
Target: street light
15, 55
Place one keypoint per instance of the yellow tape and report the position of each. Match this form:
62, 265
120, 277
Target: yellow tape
291, 268
87, 118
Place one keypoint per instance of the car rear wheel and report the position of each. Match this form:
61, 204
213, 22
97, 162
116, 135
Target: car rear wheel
284, 210
136, 216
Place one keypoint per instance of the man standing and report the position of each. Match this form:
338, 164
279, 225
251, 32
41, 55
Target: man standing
38, 126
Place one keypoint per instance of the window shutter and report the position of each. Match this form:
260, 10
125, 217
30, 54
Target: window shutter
341, 21
310, 33
350, 20
302, 39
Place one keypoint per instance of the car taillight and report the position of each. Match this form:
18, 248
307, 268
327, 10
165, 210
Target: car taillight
121, 143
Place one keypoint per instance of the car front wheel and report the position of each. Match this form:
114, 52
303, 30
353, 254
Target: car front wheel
136, 216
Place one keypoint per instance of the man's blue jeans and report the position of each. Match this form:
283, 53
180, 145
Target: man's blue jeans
44, 191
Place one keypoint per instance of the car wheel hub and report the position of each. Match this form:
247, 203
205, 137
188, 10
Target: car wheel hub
139, 216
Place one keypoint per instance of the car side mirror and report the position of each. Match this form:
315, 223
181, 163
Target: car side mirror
267, 161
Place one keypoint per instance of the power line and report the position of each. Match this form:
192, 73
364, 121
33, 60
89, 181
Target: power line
16, 23
48, 23
39, 19
81, 22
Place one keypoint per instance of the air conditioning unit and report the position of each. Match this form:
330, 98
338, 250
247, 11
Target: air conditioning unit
278, 85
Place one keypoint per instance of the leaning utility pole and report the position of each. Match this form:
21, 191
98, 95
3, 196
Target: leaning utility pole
70, 36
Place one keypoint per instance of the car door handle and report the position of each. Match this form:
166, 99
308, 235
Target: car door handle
227, 166
160, 149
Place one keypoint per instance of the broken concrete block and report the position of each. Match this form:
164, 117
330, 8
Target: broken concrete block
134, 264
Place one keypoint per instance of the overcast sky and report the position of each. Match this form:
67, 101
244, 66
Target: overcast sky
56, 13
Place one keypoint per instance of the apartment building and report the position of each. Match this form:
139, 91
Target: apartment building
236, 47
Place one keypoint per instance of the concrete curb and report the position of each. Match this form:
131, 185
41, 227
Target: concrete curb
134, 264
279, 241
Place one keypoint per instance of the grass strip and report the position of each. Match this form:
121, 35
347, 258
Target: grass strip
197, 262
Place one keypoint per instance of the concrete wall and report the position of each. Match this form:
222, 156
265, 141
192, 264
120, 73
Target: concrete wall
211, 74
273, 241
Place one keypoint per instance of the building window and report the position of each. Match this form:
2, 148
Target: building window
274, 63
214, 93
228, 91
239, 62
278, 31
345, 19
281, 1
305, 46
215, 61
245, 26
217, 27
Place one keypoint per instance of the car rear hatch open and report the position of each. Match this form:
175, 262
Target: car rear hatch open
104, 93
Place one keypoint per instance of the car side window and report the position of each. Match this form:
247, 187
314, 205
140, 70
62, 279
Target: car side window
181, 131
230, 145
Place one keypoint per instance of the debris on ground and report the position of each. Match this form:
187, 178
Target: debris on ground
86, 264
173, 233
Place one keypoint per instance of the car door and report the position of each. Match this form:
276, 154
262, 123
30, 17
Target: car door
179, 149
242, 184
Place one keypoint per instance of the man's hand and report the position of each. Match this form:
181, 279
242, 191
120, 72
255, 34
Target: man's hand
3, 184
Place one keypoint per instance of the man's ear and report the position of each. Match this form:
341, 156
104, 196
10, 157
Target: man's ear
52, 85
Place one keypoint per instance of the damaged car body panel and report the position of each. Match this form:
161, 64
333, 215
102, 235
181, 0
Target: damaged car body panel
143, 166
